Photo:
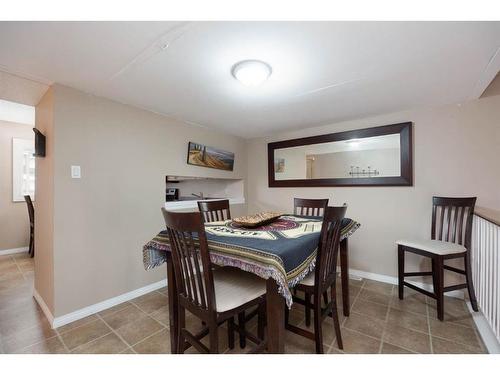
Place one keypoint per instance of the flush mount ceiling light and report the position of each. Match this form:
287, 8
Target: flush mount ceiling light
251, 72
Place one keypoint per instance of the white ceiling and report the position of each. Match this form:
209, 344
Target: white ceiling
323, 72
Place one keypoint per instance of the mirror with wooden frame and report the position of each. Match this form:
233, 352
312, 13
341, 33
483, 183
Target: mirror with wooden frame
379, 156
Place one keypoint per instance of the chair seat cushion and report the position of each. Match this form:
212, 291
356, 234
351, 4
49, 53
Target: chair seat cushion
234, 288
434, 246
308, 280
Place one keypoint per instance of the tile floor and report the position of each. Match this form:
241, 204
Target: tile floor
379, 323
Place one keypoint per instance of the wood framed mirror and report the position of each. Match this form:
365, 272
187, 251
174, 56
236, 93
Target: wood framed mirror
378, 156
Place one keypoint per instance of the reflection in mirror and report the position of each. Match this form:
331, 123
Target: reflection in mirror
370, 157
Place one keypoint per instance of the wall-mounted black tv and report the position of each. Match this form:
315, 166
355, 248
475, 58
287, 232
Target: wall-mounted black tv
39, 143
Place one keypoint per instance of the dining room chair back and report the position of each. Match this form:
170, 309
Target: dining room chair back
452, 220
317, 283
326, 258
31, 215
215, 210
215, 296
309, 207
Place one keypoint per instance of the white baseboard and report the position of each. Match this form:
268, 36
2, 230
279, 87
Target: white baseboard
485, 331
14, 251
62, 320
43, 306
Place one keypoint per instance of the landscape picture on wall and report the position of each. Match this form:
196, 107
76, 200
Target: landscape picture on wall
206, 156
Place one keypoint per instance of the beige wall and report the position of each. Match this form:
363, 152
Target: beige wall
102, 220
14, 221
44, 203
456, 153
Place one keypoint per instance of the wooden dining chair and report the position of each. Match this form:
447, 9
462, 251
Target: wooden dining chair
215, 210
215, 296
31, 214
309, 207
451, 232
324, 277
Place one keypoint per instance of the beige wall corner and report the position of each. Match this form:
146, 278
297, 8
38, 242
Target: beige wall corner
44, 204
14, 221
102, 220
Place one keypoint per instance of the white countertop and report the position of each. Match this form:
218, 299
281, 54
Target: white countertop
194, 203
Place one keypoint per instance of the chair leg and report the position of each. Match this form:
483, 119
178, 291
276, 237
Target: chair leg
180, 330
214, 336
438, 277
230, 333
401, 271
261, 320
318, 332
308, 309
335, 316
241, 323
468, 279
325, 297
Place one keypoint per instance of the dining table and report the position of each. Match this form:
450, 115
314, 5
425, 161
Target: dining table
282, 252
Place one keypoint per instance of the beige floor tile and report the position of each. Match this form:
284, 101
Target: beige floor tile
364, 324
355, 342
455, 311
159, 343
392, 349
23, 338
78, 323
115, 309
371, 309
441, 346
407, 319
162, 315
123, 317
295, 344
408, 339
415, 303
138, 330
376, 286
128, 351
6, 267
454, 332
26, 319
50, 346
151, 302
327, 327
108, 344
84, 334
163, 290
373, 296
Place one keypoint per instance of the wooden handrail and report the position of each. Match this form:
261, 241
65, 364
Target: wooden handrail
487, 214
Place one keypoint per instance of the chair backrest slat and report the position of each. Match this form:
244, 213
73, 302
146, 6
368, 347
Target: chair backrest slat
191, 260
326, 258
309, 207
215, 210
31, 209
455, 219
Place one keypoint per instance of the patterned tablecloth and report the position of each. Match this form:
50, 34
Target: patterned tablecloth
284, 250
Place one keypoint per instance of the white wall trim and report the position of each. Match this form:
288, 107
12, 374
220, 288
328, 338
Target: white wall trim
92, 309
14, 251
43, 306
485, 331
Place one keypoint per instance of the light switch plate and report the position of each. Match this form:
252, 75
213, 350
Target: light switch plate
75, 171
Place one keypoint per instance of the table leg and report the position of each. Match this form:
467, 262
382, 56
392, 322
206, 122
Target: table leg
275, 318
344, 274
173, 308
